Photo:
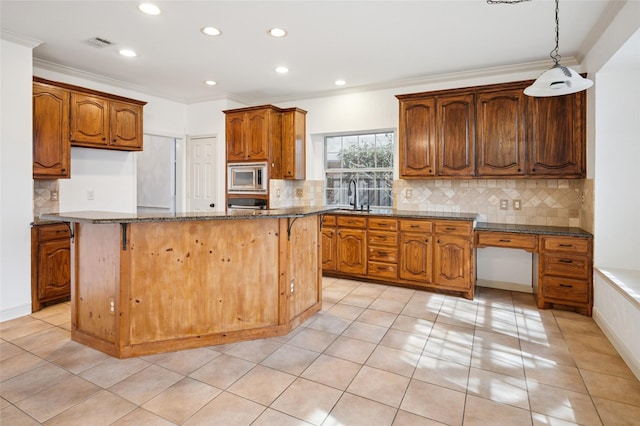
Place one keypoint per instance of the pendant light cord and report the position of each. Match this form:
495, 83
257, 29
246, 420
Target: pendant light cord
555, 55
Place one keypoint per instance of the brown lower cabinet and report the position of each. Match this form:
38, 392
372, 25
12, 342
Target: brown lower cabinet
417, 253
50, 265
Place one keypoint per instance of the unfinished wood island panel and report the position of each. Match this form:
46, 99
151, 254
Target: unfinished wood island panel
146, 287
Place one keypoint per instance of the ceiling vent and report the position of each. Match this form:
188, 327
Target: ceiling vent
99, 42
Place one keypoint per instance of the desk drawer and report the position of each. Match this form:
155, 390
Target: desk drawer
454, 227
565, 289
565, 265
508, 240
566, 244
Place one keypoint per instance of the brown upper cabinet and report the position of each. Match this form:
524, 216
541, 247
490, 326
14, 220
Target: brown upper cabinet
293, 143
500, 142
270, 134
492, 131
100, 122
51, 148
65, 115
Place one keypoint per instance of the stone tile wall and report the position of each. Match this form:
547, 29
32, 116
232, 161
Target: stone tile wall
554, 202
42, 197
295, 193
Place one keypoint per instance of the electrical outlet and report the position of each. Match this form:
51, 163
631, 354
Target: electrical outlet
53, 196
408, 193
299, 192
293, 286
278, 192
517, 204
112, 306
504, 204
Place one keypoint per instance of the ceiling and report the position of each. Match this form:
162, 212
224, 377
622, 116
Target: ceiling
369, 44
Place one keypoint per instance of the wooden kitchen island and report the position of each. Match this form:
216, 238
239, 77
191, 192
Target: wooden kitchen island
149, 283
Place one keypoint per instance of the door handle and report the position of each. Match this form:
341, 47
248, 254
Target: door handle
212, 205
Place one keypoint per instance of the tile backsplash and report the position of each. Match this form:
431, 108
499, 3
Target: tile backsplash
553, 202
42, 197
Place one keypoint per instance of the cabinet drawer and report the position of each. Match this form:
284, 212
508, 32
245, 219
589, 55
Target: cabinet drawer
382, 270
566, 266
383, 254
568, 244
53, 232
383, 223
381, 238
352, 222
415, 225
328, 221
507, 239
458, 228
565, 289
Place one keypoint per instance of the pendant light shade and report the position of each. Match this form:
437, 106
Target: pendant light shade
559, 80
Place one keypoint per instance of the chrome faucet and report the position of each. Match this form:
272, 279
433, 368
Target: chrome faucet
354, 193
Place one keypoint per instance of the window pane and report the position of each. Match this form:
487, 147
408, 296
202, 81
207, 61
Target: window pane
367, 160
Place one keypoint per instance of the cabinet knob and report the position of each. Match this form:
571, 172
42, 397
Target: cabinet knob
104, 139
519, 170
426, 241
63, 170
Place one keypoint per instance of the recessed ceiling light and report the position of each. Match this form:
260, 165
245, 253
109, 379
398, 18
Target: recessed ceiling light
128, 53
339, 82
277, 32
282, 70
210, 83
211, 31
149, 9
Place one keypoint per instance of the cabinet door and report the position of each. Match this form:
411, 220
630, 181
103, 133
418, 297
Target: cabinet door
556, 136
54, 269
455, 135
234, 132
89, 120
329, 250
126, 125
417, 133
257, 138
415, 257
51, 148
452, 262
352, 251
500, 133
293, 144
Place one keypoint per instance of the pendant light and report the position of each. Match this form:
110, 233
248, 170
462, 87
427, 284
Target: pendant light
559, 80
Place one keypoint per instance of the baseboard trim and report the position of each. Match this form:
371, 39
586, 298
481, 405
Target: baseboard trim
15, 312
628, 357
502, 285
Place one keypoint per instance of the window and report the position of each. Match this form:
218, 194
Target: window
366, 159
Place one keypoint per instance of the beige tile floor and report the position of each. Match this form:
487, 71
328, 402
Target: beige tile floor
375, 355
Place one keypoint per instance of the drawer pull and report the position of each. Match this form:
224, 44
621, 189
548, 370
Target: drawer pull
566, 285
565, 261
450, 228
382, 253
504, 240
415, 226
566, 245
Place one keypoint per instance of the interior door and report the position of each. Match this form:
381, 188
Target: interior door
156, 175
201, 166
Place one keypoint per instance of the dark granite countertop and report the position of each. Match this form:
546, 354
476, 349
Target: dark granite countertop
470, 217
37, 221
100, 217
533, 229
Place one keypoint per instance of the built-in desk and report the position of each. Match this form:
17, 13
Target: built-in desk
562, 260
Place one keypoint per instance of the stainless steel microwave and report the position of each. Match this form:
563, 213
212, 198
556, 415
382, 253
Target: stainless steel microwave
247, 178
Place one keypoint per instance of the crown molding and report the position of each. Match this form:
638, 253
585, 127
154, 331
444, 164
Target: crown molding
20, 39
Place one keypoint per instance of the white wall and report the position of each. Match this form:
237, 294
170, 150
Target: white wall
16, 183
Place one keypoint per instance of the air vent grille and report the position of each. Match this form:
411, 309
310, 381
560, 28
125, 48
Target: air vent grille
100, 42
